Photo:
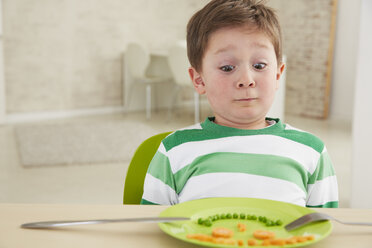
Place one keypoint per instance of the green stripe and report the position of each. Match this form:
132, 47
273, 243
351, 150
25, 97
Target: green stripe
146, 202
323, 169
212, 130
161, 169
256, 164
332, 204
304, 138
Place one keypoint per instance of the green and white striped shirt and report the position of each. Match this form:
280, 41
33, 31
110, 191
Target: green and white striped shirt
278, 162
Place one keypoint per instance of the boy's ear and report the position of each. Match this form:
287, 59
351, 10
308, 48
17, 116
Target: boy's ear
197, 81
279, 74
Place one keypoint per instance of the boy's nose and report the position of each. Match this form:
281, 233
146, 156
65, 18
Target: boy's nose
245, 78
246, 84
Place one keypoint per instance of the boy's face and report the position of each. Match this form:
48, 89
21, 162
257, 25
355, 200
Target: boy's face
239, 76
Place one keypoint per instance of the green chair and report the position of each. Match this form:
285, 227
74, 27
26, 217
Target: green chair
133, 187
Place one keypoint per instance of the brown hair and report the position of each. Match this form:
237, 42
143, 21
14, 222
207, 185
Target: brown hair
219, 14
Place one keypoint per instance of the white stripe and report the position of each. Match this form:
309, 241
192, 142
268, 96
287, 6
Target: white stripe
195, 126
158, 192
324, 149
241, 185
289, 127
322, 191
182, 155
162, 149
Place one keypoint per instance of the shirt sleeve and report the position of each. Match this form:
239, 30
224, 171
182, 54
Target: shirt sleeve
159, 186
322, 188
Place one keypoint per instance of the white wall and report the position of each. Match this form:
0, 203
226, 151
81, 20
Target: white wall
2, 83
344, 65
343, 71
362, 132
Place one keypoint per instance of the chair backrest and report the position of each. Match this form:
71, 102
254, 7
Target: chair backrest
138, 59
135, 177
179, 63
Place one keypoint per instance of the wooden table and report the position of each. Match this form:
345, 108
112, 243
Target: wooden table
136, 234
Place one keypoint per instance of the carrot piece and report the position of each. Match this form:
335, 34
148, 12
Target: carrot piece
224, 241
240, 242
266, 242
208, 238
241, 227
310, 237
221, 232
301, 239
280, 242
192, 236
200, 237
251, 242
291, 241
262, 234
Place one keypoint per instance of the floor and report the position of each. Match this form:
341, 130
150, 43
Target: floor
103, 183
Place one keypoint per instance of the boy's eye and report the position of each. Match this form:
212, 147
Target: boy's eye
227, 68
259, 66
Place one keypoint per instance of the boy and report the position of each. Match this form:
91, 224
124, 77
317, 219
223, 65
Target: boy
234, 48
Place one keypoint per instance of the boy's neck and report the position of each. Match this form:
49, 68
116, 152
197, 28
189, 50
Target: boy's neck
259, 124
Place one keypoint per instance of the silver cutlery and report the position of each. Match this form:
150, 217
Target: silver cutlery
51, 224
313, 217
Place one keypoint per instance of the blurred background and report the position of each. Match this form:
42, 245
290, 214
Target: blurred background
73, 110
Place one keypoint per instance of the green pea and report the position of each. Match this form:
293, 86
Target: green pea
208, 223
269, 223
262, 218
279, 222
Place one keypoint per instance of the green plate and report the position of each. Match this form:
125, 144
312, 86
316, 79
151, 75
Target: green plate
271, 209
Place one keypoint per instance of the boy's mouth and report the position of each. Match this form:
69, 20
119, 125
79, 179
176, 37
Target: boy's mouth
248, 99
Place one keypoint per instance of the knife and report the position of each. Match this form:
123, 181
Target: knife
51, 224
